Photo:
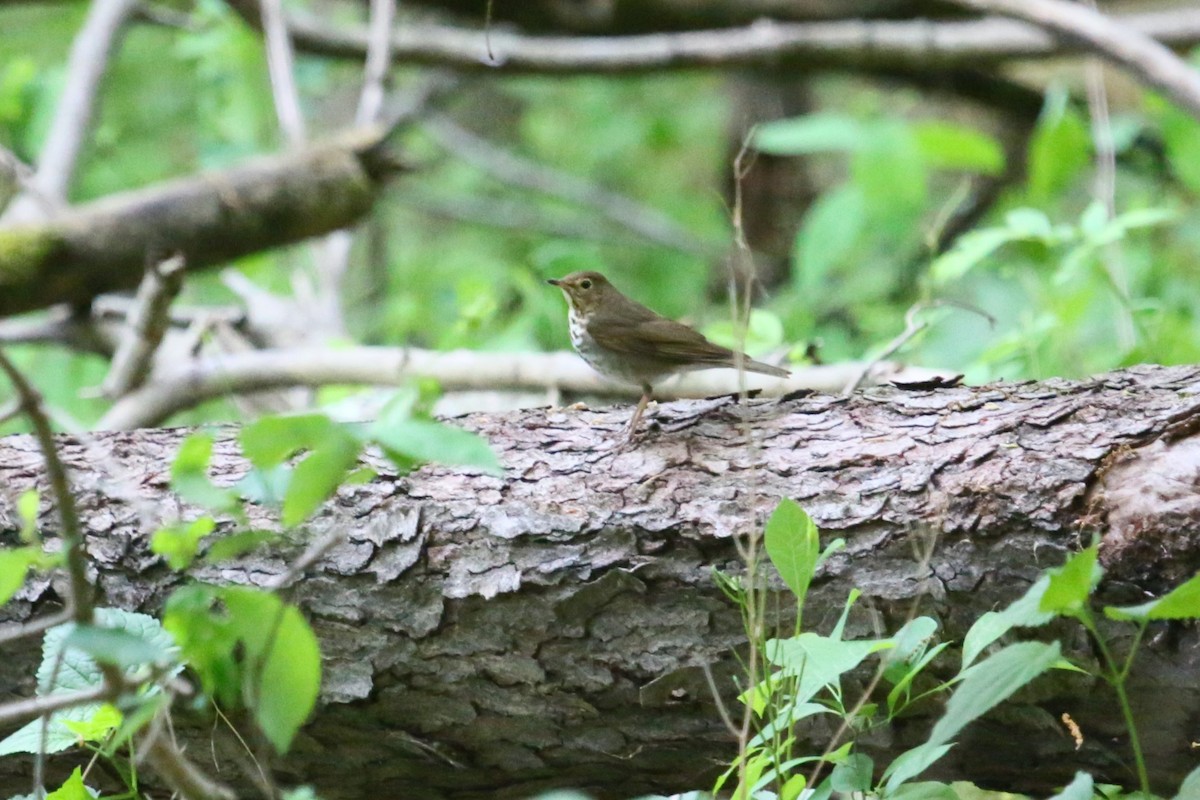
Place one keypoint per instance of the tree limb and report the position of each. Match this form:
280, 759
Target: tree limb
96, 41
537, 629
1149, 61
212, 377
860, 44
210, 219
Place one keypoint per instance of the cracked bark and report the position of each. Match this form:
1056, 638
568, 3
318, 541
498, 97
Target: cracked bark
489, 637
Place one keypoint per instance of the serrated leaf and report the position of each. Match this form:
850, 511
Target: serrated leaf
99, 726
269, 441
118, 647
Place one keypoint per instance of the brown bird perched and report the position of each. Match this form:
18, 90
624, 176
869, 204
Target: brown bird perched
623, 340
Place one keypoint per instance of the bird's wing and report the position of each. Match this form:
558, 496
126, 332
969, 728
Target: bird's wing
667, 340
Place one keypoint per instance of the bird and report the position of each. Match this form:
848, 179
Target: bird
625, 341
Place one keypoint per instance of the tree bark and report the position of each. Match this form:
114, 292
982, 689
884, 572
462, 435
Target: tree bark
490, 637
211, 219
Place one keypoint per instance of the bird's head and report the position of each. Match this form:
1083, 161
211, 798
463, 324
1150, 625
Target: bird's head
585, 291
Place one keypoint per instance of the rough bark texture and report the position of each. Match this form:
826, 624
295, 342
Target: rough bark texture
487, 637
210, 219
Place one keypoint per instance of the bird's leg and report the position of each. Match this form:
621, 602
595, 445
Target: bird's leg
637, 413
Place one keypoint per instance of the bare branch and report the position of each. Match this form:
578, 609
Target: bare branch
218, 376
210, 219
846, 43
33, 707
379, 61
1149, 61
145, 327
283, 79
89, 59
511, 168
181, 774
80, 600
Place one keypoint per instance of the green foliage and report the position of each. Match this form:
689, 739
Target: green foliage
71, 658
250, 650
72, 789
806, 671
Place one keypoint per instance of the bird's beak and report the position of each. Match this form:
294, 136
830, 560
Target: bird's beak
553, 281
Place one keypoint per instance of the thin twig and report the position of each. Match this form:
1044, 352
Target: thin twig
71, 127
283, 79
34, 627
146, 324
912, 326
310, 556
80, 588
378, 63
1148, 61
182, 775
507, 166
18, 710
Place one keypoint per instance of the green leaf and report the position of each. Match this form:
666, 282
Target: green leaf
945, 145
818, 661
853, 775
991, 681
426, 440
1025, 612
247, 645
1181, 137
237, 544
189, 476
27, 509
287, 655
764, 332
67, 668
793, 544
1190, 788
106, 719
814, 133
1059, 149
14, 566
968, 252
912, 763
1078, 789
72, 789
1182, 602
926, 790
269, 441
1071, 584
317, 477
831, 228
117, 646
178, 544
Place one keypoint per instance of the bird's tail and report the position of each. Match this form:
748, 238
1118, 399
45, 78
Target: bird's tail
750, 365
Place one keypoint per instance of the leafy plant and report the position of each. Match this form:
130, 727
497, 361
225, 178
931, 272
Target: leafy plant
806, 670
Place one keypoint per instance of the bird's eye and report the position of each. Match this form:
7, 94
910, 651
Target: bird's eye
586, 283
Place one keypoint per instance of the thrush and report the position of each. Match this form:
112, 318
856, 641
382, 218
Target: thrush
625, 341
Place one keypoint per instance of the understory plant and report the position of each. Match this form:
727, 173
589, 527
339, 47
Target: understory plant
803, 678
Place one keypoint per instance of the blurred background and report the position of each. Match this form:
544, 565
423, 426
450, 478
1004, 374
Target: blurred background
1026, 181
